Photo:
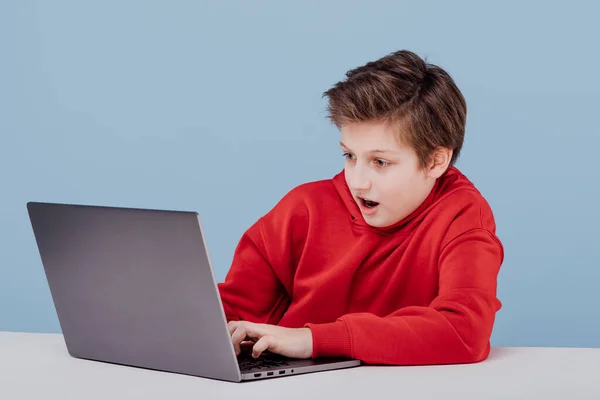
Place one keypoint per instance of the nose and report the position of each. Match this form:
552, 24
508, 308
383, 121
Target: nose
358, 179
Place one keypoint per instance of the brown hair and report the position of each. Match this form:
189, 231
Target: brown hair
420, 99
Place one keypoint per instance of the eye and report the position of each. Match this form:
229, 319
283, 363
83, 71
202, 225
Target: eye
349, 156
381, 163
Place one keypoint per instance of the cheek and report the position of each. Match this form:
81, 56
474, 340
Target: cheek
395, 194
399, 191
347, 175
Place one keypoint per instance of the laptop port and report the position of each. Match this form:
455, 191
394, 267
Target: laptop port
270, 373
257, 375
282, 372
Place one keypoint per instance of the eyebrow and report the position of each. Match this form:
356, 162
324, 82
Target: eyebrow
370, 151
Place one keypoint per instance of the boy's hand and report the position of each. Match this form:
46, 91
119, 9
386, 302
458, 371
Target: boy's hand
288, 342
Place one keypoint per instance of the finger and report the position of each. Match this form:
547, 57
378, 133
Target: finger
262, 345
232, 326
239, 335
251, 328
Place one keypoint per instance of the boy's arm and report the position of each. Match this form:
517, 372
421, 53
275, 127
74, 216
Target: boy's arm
252, 291
454, 328
258, 284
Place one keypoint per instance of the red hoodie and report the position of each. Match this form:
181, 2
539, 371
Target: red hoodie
420, 292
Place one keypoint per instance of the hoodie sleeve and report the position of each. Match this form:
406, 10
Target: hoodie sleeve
454, 328
261, 275
252, 290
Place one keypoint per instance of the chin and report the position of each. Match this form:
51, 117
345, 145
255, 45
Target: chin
377, 222
376, 225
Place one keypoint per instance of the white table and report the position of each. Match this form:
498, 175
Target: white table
37, 366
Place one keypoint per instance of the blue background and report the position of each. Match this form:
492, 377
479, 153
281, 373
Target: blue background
217, 108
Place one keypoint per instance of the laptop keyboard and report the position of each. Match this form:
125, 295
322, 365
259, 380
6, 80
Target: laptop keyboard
247, 363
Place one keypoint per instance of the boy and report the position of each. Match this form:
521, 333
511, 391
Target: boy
392, 261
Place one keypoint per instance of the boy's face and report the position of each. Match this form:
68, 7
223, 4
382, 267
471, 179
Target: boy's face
383, 175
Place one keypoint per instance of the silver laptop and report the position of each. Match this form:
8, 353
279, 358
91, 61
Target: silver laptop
135, 287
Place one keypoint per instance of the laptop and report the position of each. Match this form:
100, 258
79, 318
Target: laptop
135, 287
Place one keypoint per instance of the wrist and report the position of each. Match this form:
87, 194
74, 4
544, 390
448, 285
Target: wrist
309, 342
331, 339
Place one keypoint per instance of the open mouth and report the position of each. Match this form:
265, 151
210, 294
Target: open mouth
369, 203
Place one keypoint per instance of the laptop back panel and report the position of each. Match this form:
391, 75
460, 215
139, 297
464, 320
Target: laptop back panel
134, 287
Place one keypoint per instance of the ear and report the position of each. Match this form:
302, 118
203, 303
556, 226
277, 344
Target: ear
439, 162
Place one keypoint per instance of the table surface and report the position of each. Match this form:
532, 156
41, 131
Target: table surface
38, 366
